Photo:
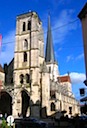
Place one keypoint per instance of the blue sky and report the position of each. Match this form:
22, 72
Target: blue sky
66, 31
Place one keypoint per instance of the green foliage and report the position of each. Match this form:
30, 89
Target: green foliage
4, 124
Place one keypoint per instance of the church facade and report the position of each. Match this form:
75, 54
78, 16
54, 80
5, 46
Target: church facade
38, 87
39, 90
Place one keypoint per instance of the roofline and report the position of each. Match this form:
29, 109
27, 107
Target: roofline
27, 14
83, 12
2, 70
65, 76
55, 62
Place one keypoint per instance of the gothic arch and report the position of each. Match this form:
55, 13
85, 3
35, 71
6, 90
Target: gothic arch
5, 103
27, 77
25, 102
7, 91
52, 106
20, 90
23, 89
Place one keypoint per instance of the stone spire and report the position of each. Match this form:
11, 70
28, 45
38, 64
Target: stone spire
49, 55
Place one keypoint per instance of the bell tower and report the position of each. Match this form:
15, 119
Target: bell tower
28, 56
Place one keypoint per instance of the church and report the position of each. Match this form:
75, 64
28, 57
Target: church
32, 80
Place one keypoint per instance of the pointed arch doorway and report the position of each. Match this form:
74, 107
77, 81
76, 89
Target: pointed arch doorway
25, 103
5, 103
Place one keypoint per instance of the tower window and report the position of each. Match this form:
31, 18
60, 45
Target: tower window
29, 25
25, 56
52, 107
52, 95
27, 78
25, 44
21, 78
49, 69
70, 110
11, 80
23, 26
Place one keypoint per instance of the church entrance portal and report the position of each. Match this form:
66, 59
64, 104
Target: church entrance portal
25, 103
5, 103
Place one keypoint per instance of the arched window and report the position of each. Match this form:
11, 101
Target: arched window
24, 26
49, 69
29, 25
25, 56
11, 80
70, 110
25, 44
21, 78
27, 77
52, 95
52, 107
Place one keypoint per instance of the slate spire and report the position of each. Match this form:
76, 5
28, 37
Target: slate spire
49, 55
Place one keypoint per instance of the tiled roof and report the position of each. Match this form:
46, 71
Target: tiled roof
1, 69
64, 79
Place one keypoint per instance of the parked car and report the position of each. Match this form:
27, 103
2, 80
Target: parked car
28, 122
83, 117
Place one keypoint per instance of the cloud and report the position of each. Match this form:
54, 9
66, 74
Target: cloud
7, 51
62, 27
69, 58
80, 56
77, 78
60, 49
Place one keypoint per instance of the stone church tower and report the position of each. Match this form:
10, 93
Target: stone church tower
32, 71
28, 57
39, 90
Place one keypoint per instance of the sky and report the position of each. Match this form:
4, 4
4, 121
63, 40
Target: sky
66, 32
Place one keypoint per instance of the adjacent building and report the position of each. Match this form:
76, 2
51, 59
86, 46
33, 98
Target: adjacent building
83, 18
2, 77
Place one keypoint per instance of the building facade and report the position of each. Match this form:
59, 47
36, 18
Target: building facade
35, 75
39, 89
8, 70
83, 18
2, 77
